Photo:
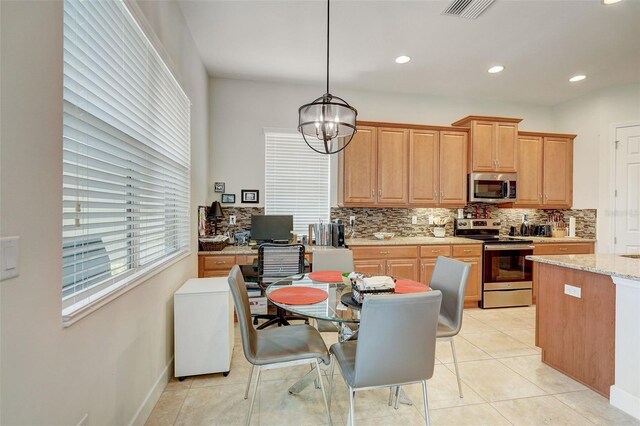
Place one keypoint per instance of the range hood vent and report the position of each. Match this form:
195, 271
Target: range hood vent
469, 9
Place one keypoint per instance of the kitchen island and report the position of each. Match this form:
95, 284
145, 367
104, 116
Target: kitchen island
587, 318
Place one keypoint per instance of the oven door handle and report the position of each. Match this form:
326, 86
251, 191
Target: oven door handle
503, 247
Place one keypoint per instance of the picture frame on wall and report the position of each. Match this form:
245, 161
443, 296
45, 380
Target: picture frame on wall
250, 196
228, 198
218, 187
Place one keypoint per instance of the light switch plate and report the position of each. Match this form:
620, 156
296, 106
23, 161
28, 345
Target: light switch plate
573, 291
232, 220
9, 253
414, 220
430, 219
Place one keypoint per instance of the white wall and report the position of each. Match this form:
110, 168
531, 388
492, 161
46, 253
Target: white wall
592, 118
108, 363
240, 110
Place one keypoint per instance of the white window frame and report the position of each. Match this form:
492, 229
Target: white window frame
303, 153
163, 154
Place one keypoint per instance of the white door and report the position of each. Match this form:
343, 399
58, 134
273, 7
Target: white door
627, 187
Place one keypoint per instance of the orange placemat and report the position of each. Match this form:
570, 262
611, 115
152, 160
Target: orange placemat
326, 276
410, 286
298, 295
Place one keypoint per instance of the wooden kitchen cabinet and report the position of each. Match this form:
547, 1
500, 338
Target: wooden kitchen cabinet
424, 170
453, 173
426, 270
369, 266
545, 170
493, 143
393, 165
560, 248
530, 166
558, 172
398, 261
215, 265
437, 171
471, 254
420, 166
358, 168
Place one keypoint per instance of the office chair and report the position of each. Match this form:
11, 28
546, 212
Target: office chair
275, 262
396, 345
275, 347
332, 260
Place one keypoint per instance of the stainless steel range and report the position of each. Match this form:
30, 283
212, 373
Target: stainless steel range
506, 274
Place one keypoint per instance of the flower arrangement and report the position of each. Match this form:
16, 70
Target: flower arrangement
439, 224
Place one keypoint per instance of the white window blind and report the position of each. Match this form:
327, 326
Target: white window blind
296, 180
126, 154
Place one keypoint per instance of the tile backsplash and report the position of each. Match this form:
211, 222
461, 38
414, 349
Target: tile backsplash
398, 220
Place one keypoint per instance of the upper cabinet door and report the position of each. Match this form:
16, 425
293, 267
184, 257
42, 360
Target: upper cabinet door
506, 155
359, 168
453, 170
558, 172
423, 167
529, 189
393, 165
482, 146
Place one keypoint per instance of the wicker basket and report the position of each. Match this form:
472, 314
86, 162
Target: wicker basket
207, 244
358, 294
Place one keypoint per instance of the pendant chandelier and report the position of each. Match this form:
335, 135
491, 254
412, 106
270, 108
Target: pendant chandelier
328, 123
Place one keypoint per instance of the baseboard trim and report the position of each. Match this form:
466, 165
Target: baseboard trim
143, 412
623, 400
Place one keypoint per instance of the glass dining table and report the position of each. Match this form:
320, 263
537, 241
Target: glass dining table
338, 308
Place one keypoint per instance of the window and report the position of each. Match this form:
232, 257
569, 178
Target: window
296, 180
126, 158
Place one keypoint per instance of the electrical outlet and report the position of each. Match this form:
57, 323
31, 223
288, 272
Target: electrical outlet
232, 220
352, 220
430, 219
414, 220
573, 291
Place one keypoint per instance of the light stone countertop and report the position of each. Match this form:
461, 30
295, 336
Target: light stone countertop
247, 250
557, 239
605, 264
409, 241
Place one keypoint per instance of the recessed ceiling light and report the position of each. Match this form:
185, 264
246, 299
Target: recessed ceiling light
577, 78
402, 59
495, 69
610, 1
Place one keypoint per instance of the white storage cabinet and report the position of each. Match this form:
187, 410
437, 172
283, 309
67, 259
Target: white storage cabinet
203, 327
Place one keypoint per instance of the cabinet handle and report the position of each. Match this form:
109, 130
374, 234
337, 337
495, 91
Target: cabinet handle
384, 252
441, 194
389, 269
466, 250
540, 197
562, 248
435, 195
221, 262
546, 197
380, 268
373, 193
379, 192
422, 267
435, 251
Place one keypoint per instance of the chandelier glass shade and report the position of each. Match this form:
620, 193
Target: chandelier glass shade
328, 123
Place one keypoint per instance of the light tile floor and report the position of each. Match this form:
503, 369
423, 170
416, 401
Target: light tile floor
504, 383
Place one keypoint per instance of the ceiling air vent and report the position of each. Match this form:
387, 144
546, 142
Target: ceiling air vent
469, 9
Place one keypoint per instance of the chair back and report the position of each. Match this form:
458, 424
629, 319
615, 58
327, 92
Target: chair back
243, 311
276, 261
450, 276
333, 260
397, 339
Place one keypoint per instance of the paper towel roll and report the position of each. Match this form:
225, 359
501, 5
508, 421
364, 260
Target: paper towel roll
572, 226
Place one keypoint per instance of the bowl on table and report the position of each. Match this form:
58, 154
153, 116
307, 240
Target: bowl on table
384, 235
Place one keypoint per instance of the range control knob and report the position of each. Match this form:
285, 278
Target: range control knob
462, 223
496, 223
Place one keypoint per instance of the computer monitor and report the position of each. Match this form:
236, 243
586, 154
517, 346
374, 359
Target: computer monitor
271, 228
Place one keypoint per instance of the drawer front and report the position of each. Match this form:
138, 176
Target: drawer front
384, 252
435, 251
569, 248
466, 250
219, 263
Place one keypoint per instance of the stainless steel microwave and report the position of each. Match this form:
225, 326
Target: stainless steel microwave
493, 187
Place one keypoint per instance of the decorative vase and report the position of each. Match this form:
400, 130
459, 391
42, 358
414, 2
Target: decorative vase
438, 232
